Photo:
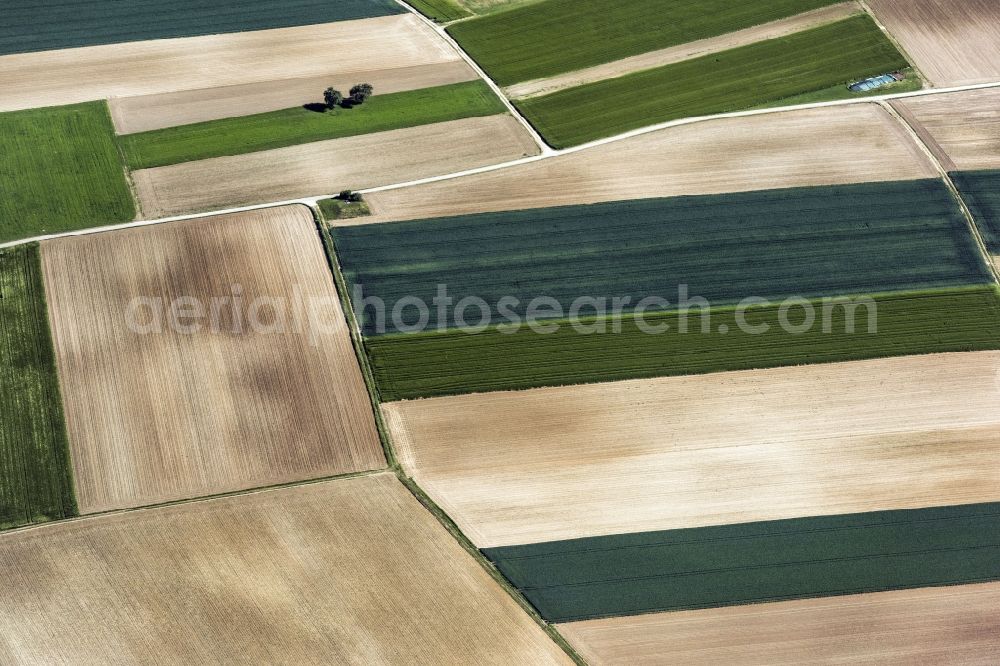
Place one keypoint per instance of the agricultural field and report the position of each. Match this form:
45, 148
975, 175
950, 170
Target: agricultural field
548, 38
60, 171
454, 362
772, 30
629, 574
313, 169
35, 481
72, 24
298, 125
733, 80
955, 624
151, 112
698, 451
952, 42
712, 157
961, 128
341, 571
204, 357
809, 242
368, 49
981, 192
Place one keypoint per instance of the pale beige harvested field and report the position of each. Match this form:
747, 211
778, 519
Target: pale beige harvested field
50, 78
267, 397
346, 571
326, 167
701, 47
633, 456
149, 112
952, 42
941, 625
858, 143
963, 127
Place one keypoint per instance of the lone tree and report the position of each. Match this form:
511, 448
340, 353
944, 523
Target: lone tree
332, 97
361, 92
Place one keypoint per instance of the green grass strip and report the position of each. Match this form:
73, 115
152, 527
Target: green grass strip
755, 562
288, 127
981, 192
733, 80
454, 362
35, 479
60, 171
441, 11
547, 38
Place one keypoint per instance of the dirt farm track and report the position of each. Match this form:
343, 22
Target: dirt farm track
159, 414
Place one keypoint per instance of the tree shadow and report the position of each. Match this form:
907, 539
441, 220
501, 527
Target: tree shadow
317, 107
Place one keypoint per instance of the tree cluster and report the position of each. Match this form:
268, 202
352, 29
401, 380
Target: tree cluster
359, 93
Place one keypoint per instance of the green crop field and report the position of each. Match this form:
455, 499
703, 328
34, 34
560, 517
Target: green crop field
810, 242
981, 192
755, 562
733, 80
35, 478
59, 171
264, 131
555, 36
40, 25
440, 10
452, 362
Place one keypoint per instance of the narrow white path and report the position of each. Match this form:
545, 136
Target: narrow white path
312, 200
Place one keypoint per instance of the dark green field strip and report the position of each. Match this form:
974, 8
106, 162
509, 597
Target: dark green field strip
755, 562
440, 10
35, 478
288, 127
811, 242
454, 362
732, 80
556, 36
981, 192
59, 171
40, 25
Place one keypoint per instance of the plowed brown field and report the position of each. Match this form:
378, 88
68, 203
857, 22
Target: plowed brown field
346, 571
49, 78
963, 128
941, 625
952, 42
326, 167
159, 415
632, 456
852, 144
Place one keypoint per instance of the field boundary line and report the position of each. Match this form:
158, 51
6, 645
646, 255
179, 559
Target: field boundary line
196, 500
950, 184
544, 147
311, 201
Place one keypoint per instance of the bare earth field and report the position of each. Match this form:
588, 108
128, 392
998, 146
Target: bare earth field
963, 128
325, 167
50, 78
687, 51
149, 112
346, 571
952, 42
562, 463
728, 155
941, 625
160, 415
